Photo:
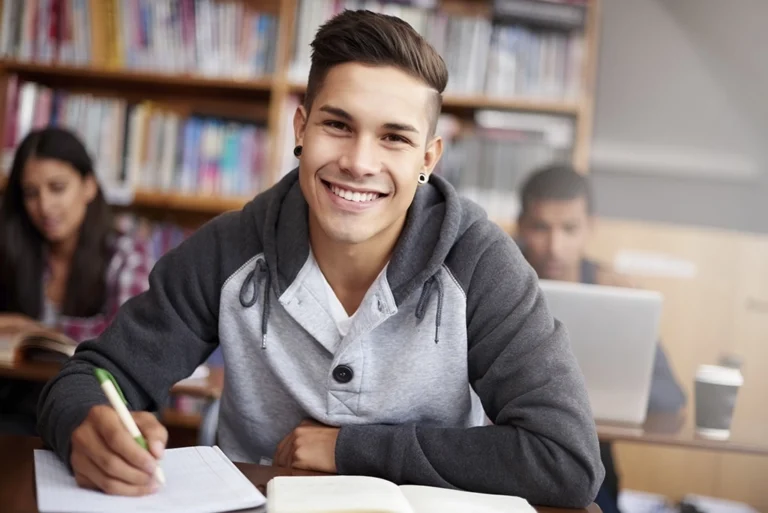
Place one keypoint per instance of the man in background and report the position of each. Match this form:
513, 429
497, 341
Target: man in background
553, 229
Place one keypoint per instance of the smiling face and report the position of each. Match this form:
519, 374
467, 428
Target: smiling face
365, 141
56, 198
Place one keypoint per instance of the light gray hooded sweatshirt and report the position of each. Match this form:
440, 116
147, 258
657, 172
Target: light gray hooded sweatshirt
454, 330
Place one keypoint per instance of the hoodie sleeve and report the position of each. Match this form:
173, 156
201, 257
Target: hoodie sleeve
543, 443
156, 339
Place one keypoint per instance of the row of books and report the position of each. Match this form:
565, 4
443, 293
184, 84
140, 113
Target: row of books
207, 37
144, 145
483, 57
160, 236
488, 161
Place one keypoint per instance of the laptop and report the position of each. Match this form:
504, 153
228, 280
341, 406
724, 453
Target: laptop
614, 333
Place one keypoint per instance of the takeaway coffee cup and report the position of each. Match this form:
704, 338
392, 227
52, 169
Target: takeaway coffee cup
716, 390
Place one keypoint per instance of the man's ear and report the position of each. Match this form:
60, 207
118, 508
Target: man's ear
432, 154
299, 124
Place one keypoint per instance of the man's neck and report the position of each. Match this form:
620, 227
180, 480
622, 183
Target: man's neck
351, 269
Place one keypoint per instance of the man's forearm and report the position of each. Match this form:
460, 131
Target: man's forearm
492, 459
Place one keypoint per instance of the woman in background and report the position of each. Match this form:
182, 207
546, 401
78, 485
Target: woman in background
63, 265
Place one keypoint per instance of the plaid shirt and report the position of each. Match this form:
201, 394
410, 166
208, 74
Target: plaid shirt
127, 276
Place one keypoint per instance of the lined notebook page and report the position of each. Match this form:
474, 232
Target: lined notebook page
198, 480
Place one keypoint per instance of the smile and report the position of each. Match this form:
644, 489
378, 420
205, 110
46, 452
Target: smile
354, 196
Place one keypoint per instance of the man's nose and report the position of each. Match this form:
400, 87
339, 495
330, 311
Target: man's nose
362, 157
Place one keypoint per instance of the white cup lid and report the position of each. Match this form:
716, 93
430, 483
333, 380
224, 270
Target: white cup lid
718, 375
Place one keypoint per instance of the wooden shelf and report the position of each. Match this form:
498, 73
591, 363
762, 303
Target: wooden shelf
189, 203
121, 77
173, 418
519, 104
473, 102
180, 202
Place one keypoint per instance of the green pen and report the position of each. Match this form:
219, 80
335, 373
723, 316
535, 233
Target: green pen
117, 400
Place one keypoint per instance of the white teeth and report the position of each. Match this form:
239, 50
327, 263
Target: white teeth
357, 197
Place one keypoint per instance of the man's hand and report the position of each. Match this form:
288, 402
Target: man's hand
107, 458
311, 446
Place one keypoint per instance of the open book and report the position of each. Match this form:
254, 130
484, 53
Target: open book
37, 344
360, 494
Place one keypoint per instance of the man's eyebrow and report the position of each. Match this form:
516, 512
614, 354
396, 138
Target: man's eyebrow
336, 111
343, 114
401, 127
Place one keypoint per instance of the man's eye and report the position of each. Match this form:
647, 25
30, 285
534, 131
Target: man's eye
397, 138
337, 125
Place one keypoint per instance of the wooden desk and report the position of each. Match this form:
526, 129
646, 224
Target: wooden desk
678, 431
17, 477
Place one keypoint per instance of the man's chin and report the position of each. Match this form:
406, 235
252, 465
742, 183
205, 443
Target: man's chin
347, 235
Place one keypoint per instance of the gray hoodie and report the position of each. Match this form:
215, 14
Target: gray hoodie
454, 330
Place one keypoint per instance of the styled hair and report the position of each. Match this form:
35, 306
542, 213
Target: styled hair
23, 248
557, 181
375, 39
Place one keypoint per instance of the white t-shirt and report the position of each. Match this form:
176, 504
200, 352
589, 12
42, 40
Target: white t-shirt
340, 317
339, 314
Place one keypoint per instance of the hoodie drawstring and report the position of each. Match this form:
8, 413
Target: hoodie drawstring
421, 307
246, 302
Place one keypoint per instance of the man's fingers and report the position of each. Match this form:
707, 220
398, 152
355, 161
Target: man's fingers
84, 482
111, 463
284, 452
91, 474
119, 455
154, 432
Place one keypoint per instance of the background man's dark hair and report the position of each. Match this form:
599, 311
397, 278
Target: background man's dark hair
558, 181
377, 39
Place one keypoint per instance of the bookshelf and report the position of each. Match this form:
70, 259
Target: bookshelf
191, 83
88, 64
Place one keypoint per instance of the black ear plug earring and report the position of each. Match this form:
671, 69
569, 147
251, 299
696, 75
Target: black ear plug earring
297, 151
423, 178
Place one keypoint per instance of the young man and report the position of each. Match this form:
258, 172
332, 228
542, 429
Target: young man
554, 226
369, 318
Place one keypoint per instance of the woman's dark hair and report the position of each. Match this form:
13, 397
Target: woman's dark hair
23, 248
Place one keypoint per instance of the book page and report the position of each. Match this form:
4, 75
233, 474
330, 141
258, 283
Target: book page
334, 494
7, 348
198, 480
426, 499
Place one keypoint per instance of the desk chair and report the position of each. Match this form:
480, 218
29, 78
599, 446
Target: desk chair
209, 423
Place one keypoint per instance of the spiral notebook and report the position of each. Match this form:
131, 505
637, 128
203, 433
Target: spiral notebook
198, 480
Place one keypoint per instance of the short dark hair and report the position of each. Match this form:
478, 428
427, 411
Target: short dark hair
377, 39
557, 181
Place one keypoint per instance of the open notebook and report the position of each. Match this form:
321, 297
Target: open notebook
198, 480
359, 494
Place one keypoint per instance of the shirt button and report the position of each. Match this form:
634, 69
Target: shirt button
343, 374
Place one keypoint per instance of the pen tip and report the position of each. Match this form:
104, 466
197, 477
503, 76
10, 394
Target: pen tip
160, 476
